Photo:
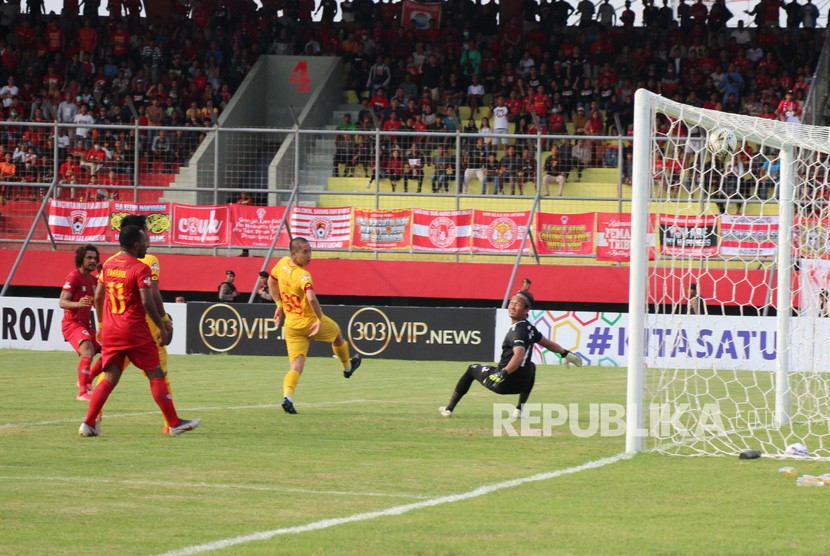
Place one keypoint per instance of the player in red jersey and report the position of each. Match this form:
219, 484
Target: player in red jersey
124, 297
76, 302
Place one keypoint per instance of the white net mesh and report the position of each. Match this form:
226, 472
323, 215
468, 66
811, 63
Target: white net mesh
740, 240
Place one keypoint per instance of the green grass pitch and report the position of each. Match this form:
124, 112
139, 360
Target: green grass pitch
258, 481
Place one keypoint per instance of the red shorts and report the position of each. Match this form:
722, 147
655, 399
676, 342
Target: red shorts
145, 356
75, 333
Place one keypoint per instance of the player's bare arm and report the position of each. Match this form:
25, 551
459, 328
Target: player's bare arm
67, 303
311, 297
159, 301
150, 306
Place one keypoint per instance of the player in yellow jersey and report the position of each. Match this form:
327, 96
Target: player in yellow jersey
291, 287
152, 261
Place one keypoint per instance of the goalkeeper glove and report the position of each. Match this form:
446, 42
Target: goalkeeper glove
498, 377
572, 359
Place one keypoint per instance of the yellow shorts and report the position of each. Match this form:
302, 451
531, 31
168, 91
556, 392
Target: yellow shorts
297, 339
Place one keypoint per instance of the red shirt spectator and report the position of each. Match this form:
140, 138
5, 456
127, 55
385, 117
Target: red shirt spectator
201, 15
54, 36
556, 123
380, 101
789, 109
25, 35
393, 123
88, 37
68, 171
120, 40
8, 58
699, 12
539, 102
514, 104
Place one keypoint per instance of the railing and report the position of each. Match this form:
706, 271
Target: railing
194, 171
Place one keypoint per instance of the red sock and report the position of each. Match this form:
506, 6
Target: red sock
83, 374
165, 402
99, 398
96, 369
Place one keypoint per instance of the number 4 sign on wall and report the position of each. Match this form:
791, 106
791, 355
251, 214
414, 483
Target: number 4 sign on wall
299, 77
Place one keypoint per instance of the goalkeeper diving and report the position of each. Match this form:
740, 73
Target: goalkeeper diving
515, 373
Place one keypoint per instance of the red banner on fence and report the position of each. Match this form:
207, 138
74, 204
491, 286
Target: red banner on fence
324, 228
420, 15
690, 236
158, 219
442, 230
499, 232
565, 234
204, 226
811, 238
748, 236
614, 236
256, 226
79, 222
382, 229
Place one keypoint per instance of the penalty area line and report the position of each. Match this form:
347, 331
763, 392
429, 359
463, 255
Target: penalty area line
395, 510
201, 485
186, 409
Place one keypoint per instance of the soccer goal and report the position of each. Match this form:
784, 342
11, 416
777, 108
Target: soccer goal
729, 316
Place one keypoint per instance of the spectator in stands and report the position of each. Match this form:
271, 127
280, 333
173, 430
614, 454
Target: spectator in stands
365, 155
392, 168
83, 117
527, 170
789, 109
770, 175
442, 169
606, 14
509, 164
581, 154
380, 77
68, 173
345, 150
808, 15
8, 172
580, 121
554, 172
729, 188
94, 159
475, 94
413, 167
492, 172
473, 163
161, 150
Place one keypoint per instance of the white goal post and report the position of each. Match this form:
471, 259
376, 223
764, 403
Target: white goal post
728, 349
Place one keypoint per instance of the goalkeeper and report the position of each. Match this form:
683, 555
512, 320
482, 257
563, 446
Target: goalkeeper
515, 373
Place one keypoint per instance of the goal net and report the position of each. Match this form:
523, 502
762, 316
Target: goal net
729, 316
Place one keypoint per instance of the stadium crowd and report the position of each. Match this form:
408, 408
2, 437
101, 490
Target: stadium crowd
551, 77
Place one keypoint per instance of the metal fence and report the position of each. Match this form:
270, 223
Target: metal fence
213, 165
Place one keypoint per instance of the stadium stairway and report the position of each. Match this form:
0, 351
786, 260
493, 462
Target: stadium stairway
317, 162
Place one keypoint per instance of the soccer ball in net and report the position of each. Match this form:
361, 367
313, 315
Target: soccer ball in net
722, 142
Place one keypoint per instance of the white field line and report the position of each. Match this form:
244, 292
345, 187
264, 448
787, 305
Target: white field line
156, 412
176, 484
393, 511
